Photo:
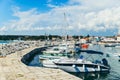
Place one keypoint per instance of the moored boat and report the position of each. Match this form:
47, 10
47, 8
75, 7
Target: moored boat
84, 46
110, 45
79, 65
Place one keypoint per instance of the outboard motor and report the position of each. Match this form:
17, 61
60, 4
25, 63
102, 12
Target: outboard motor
107, 55
119, 60
81, 57
105, 62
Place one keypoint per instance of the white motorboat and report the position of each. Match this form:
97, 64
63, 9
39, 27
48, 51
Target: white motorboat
47, 59
49, 63
54, 53
78, 65
60, 49
51, 57
117, 45
83, 65
110, 45
56, 50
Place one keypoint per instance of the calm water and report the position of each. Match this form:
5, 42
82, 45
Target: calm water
114, 73
4, 42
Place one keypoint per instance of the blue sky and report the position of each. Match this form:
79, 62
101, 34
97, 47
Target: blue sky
37, 17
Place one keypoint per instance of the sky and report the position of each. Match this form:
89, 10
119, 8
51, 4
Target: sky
60, 17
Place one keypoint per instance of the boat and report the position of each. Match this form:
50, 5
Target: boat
61, 48
110, 45
48, 61
56, 50
84, 46
59, 51
52, 54
117, 45
79, 65
49, 56
77, 47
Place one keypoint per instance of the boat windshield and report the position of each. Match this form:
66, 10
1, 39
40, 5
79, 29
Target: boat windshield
90, 55
56, 49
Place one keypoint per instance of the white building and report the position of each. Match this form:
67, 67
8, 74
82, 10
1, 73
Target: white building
118, 37
83, 41
108, 40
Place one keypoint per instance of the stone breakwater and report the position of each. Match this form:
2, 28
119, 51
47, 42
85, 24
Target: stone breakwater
11, 67
7, 49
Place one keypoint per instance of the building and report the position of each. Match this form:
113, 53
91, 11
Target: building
118, 38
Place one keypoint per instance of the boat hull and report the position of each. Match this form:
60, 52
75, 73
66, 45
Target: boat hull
83, 68
79, 69
74, 68
49, 63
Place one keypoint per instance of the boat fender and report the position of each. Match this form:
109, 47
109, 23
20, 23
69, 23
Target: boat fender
73, 65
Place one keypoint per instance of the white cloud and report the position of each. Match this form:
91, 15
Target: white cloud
88, 15
97, 4
2, 29
52, 6
49, 1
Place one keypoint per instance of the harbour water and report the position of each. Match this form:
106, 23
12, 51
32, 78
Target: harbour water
4, 42
113, 60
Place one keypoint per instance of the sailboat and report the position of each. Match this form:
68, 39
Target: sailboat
56, 52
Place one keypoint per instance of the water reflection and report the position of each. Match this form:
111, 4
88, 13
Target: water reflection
91, 76
114, 73
35, 61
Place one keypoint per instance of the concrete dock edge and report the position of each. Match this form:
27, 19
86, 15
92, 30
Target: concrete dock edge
11, 68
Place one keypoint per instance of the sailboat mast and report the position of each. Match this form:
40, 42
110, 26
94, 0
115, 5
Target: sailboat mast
65, 18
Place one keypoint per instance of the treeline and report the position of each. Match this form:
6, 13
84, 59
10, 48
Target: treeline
40, 37
27, 37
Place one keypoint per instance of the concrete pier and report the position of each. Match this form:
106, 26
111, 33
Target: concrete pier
11, 68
